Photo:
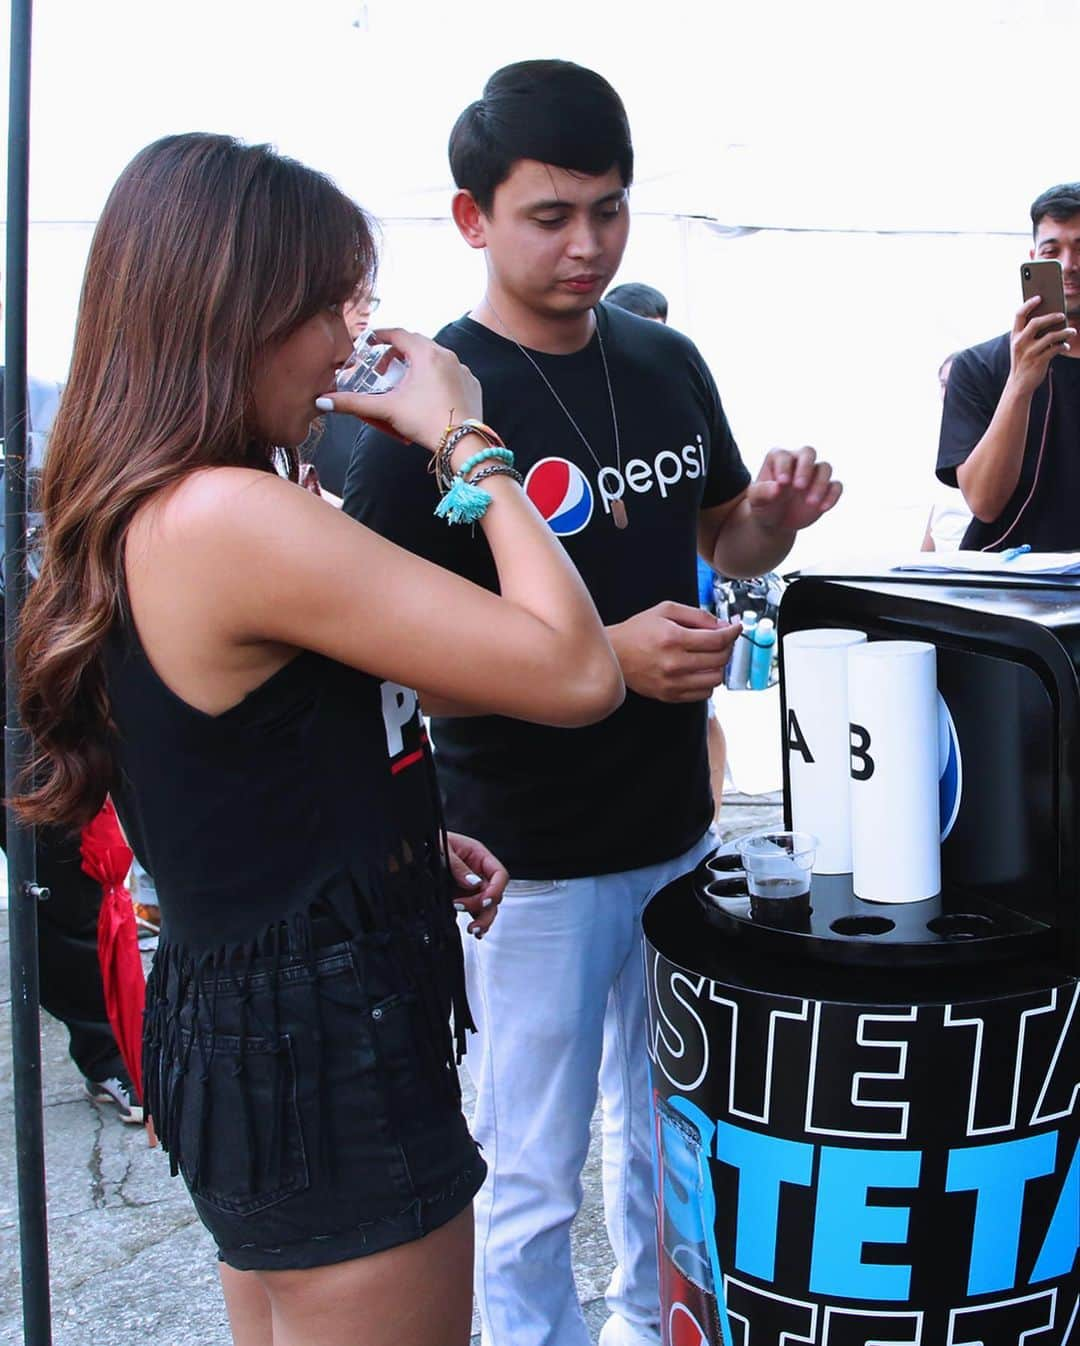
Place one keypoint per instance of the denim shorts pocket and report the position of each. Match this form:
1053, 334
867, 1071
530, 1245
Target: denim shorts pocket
238, 1135
411, 1067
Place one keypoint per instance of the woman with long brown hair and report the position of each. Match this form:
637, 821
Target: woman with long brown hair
232, 660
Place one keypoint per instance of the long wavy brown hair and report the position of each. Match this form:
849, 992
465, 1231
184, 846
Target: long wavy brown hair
208, 251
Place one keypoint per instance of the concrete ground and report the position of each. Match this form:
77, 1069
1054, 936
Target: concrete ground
129, 1260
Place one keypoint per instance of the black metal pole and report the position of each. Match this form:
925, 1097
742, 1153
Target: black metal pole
23, 892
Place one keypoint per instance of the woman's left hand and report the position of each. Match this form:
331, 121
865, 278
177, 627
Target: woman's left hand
480, 879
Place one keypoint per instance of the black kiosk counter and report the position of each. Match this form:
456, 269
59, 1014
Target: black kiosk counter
867, 1120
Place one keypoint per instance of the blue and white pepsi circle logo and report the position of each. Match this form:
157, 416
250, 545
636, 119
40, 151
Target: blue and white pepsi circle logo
561, 492
950, 768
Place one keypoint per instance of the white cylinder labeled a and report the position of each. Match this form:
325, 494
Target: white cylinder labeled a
895, 813
816, 741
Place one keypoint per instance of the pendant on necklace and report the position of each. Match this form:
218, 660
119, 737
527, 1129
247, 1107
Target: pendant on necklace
618, 513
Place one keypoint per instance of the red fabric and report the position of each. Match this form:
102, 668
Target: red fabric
106, 856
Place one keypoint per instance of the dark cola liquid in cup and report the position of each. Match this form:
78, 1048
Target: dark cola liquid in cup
778, 867
780, 902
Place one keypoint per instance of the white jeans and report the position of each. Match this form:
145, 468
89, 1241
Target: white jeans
557, 990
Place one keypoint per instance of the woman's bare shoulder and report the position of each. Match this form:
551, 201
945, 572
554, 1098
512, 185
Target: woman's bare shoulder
206, 494
235, 524
216, 499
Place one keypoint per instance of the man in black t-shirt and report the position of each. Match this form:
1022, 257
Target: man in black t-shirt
618, 430
1010, 429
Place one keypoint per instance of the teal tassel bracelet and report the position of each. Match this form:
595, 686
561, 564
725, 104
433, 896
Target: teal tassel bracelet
463, 503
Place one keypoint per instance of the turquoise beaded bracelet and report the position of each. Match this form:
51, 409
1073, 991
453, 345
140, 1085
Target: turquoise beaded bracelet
481, 455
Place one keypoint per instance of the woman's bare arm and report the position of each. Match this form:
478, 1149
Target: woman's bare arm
296, 573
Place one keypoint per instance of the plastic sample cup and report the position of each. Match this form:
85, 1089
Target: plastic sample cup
778, 866
373, 367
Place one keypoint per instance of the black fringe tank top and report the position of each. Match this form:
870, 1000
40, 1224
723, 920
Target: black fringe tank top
307, 813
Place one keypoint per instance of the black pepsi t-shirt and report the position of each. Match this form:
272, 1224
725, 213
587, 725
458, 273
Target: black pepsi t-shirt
1050, 520
634, 789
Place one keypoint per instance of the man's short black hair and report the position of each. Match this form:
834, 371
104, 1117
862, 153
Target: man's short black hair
553, 111
640, 299
1060, 203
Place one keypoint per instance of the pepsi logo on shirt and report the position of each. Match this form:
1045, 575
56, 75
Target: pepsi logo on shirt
405, 733
562, 493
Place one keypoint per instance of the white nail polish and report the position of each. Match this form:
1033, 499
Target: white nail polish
324, 403
474, 879
459, 906
486, 902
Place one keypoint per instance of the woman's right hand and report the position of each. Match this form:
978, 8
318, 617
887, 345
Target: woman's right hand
437, 389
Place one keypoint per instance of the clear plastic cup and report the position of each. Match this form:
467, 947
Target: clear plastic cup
373, 367
778, 866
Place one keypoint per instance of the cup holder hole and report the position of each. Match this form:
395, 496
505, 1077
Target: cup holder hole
726, 863
962, 925
731, 886
862, 925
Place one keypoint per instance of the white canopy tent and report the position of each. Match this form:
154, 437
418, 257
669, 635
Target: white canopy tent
833, 196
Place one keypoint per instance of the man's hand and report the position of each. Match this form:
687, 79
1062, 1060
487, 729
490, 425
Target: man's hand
673, 652
792, 490
1033, 344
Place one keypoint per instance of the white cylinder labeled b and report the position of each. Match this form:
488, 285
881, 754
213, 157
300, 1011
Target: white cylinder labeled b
816, 741
895, 814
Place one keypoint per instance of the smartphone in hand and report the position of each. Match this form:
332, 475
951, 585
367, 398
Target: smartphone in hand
1044, 278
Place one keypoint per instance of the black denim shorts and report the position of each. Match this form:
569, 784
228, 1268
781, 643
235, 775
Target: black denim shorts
311, 1107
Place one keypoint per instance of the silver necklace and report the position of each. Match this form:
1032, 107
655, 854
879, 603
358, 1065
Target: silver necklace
618, 507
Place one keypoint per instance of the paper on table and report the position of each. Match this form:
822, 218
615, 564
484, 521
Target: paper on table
993, 562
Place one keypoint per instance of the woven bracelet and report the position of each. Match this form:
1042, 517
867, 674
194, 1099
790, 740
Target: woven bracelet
493, 448
497, 470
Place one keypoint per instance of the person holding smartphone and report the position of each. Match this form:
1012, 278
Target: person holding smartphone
1010, 428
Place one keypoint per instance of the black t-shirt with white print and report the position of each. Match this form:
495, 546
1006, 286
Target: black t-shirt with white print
634, 789
1042, 511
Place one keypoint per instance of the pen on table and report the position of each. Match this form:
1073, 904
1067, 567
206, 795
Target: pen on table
1013, 552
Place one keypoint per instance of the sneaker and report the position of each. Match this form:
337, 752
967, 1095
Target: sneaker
119, 1091
147, 918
